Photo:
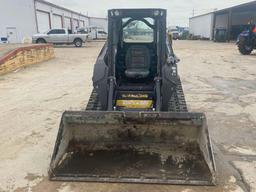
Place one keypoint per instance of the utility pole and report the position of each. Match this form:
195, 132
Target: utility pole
193, 12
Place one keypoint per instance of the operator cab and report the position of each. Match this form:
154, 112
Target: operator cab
136, 56
136, 63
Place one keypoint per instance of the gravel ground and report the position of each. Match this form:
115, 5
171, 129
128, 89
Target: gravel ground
217, 80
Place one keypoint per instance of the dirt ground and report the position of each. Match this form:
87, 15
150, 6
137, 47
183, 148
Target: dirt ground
217, 80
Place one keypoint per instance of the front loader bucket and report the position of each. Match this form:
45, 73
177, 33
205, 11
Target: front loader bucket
136, 147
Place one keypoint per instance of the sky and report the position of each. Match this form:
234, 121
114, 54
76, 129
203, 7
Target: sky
179, 11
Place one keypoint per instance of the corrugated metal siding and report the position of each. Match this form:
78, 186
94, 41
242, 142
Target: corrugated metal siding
23, 18
221, 21
201, 26
19, 16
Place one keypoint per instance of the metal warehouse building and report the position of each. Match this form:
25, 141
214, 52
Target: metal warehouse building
21, 19
234, 20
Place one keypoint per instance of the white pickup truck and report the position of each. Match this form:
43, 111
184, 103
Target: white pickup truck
60, 36
94, 32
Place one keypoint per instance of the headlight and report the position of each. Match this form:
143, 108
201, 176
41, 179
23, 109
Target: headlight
156, 12
117, 13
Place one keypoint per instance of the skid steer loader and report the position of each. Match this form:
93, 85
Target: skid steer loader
136, 127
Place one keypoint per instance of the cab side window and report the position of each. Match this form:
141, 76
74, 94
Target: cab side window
56, 31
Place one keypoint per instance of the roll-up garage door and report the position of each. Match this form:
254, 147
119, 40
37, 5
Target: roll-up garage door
76, 24
57, 21
67, 21
43, 21
81, 23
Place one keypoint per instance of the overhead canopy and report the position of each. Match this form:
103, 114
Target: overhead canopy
235, 19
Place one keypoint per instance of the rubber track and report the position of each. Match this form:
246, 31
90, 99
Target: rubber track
176, 104
94, 102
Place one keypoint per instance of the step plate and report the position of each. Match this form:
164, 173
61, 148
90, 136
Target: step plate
134, 104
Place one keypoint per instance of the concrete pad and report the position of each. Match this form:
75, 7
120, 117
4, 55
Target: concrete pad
216, 78
248, 171
241, 150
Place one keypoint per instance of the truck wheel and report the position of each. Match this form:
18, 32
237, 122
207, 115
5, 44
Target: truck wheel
40, 41
78, 43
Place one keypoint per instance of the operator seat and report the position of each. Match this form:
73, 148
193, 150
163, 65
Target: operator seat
137, 62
